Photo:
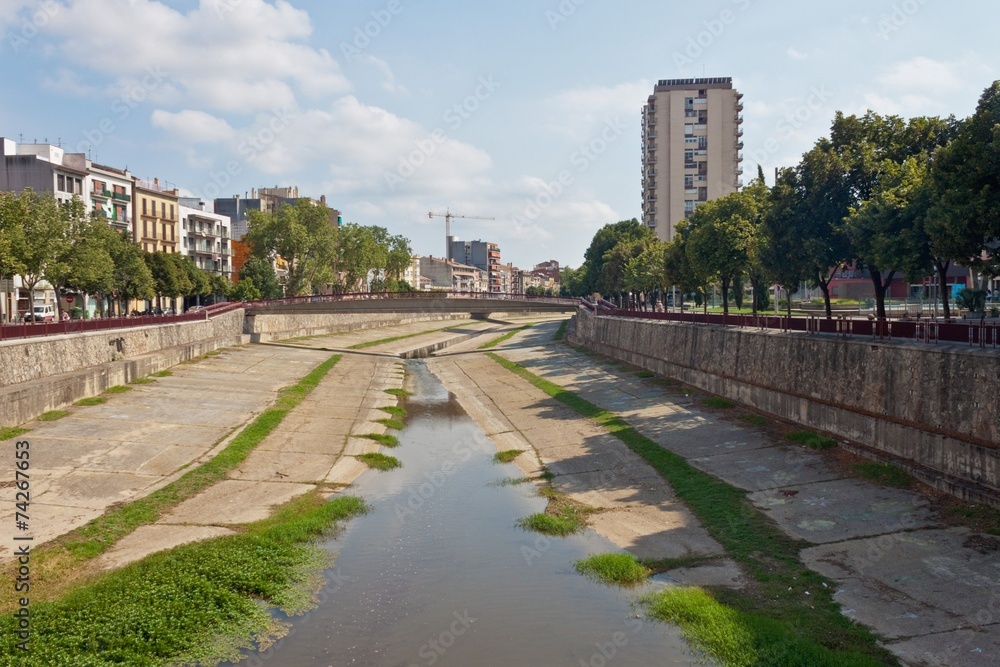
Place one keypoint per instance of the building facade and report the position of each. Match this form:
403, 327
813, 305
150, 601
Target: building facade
155, 216
446, 274
205, 237
109, 191
691, 143
483, 255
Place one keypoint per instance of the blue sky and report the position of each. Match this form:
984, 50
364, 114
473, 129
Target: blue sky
393, 108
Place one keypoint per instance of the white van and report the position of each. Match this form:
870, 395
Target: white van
42, 313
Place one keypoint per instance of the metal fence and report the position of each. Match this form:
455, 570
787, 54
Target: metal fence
415, 296
975, 333
36, 329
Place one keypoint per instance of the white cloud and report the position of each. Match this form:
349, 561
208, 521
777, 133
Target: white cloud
193, 126
389, 83
797, 55
578, 112
923, 73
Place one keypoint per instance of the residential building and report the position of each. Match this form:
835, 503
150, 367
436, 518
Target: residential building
413, 277
205, 236
109, 191
481, 254
691, 143
266, 200
43, 168
446, 274
236, 208
155, 216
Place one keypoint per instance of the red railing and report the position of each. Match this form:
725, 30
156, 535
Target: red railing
975, 333
416, 296
32, 330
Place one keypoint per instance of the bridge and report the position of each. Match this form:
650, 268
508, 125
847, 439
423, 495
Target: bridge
477, 304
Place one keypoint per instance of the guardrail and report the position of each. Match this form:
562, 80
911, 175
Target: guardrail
416, 296
975, 333
33, 329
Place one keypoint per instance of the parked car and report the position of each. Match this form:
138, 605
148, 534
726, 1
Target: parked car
41, 313
195, 309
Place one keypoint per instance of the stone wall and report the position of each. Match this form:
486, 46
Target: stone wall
264, 327
933, 409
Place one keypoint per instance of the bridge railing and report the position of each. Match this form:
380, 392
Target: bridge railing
975, 333
36, 329
415, 296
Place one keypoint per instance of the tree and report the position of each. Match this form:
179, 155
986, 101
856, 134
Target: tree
261, 273
44, 232
131, 278
300, 234
13, 213
781, 250
245, 290
570, 281
358, 252
604, 240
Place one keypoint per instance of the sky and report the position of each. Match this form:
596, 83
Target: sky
525, 111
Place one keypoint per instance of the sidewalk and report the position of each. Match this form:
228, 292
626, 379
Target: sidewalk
933, 591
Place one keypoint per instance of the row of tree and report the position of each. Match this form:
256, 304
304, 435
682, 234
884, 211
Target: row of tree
42, 239
891, 197
321, 256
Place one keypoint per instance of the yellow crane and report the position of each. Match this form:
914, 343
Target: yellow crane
448, 217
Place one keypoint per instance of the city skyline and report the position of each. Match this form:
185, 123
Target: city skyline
530, 112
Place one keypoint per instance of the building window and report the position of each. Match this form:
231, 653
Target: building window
688, 156
145, 231
703, 142
163, 210
144, 206
171, 211
62, 183
79, 186
689, 130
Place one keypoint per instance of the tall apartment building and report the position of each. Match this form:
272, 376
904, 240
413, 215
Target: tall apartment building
691, 143
266, 200
481, 254
205, 236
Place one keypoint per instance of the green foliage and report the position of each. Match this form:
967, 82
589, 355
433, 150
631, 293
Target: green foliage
52, 415
885, 474
561, 332
605, 241
197, 603
393, 424
11, 432
394, 410
621, 569
507, 456
719, 403
264, 282
400, 393
380, 461
548, 524
91, 401
303, 236
504, 338
118, 389
756, 420
972, 300
811, 440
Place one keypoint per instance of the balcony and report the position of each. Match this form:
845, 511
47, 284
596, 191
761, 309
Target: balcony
739, 119
739, 106
101, 194
739, 145
739, 132
690, 165
121, 196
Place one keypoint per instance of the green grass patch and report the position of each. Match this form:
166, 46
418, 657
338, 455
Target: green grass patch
741, 639
510, 481
561, 332
621, 569
383, 341
11, 432
142, 381
770, 558
399, 393
380, 461
660, 565
93, 400
394, 411
719, 403
196, 604
100, 534
507, 456
383, 439
645, 375
981, 518
163, 374
119, 389
212, 353
504, 338
755, 420
811, 440
394, 424
549, 524
885, 474
52, 415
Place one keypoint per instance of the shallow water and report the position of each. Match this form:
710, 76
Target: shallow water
439, 574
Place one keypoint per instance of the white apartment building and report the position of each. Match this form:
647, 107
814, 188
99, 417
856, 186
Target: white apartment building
109, 195
691, 143
205, 236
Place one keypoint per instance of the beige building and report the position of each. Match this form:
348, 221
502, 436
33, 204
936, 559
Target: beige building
691, 143
155, 216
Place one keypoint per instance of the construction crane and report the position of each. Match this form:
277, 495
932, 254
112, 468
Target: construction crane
448, 216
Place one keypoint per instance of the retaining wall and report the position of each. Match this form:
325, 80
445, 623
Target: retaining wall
935, 410
264, 327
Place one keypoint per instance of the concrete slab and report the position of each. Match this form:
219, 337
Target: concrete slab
235, 502
346, 470
970, 647
49, 521
290, 441
616, 489
724, 574
656, 532
148, 540
272, 466
842, 509
95, 490
768, 468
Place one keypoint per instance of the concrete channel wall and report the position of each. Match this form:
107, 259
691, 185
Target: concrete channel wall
935, 410
265, 327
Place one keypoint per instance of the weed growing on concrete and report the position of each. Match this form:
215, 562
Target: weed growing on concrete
398, 393
768, 556
719, 403
885, 474
201, 601
506, 337
510, 481
645, 375
93, 400
52, 415
755, 420
561, 332
811, 440
383, 439
621, 569
380, 461
163, 374
549, 524
394, 424
507, 456
119, 389
395, 411
142, 381
11, 432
